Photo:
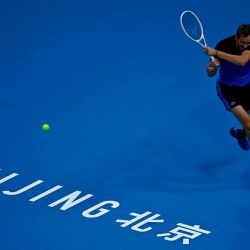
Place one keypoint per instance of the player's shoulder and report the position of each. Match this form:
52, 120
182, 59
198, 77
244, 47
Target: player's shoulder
226, 43
227, 40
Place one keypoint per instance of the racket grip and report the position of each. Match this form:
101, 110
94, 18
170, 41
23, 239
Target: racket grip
211, 58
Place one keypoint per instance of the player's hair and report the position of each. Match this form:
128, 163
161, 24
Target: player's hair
243, 30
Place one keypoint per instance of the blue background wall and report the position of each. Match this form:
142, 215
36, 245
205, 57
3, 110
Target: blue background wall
133, 117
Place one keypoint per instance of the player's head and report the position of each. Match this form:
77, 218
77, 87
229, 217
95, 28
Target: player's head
243, 37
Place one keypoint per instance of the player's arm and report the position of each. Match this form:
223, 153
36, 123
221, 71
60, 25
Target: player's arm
213, 67
235, 59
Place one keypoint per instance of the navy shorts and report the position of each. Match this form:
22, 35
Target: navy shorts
234, 96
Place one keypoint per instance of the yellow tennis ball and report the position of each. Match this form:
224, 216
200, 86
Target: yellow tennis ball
45, 127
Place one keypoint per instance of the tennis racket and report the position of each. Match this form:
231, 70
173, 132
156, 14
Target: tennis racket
192, 27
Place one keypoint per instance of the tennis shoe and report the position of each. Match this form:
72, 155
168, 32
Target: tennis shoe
241, 138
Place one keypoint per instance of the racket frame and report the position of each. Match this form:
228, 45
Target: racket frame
202, 37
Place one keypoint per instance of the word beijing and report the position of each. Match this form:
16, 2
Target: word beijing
139, 222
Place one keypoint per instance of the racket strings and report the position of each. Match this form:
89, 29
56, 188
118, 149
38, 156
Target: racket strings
192, 26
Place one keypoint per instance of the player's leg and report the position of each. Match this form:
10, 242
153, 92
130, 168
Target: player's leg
241, 114
231, 98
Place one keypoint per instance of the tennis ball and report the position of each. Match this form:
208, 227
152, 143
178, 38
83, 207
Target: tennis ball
45, 127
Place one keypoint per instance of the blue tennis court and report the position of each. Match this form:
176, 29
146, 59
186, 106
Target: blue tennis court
138, 154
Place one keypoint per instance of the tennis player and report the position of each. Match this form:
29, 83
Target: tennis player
232, 58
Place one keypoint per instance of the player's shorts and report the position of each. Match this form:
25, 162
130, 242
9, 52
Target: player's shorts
234, 96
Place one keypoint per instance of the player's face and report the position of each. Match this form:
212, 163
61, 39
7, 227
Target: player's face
243, 42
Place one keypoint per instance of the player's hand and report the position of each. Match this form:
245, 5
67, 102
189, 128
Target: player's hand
210, 51
215, 63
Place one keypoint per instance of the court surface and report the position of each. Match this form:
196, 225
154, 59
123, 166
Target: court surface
138, 154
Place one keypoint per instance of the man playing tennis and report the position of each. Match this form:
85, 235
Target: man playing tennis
232, 58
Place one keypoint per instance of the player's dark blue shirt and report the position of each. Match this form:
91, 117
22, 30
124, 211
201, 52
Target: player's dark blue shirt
229, 73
